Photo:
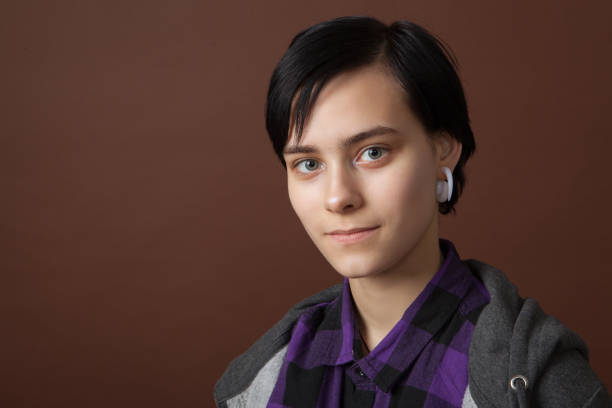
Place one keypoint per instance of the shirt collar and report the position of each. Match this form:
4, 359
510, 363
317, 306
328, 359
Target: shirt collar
420, 322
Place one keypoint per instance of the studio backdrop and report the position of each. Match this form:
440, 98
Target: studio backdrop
146, 233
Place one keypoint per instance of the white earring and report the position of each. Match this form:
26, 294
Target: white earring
444, 189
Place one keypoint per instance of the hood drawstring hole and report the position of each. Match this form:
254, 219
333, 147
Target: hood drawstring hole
521, 378
519, 384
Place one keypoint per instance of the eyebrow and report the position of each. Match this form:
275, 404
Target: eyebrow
349, 141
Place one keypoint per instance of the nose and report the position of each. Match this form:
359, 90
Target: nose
343, 189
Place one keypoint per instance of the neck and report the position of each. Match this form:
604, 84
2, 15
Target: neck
381, 300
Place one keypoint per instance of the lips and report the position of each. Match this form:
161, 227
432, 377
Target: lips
351, 231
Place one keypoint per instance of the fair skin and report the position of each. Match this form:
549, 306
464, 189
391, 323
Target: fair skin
387, 180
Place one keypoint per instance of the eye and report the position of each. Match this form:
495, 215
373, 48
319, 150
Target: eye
308, 165
377, 155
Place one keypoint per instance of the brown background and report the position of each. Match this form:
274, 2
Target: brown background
147, 237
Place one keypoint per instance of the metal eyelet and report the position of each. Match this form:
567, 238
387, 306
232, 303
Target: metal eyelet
518, 377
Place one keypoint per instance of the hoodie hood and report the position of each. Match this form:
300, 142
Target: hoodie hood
513, 340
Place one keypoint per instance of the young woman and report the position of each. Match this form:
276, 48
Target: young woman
371, 123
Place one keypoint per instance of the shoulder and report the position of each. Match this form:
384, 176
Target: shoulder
244, 368
514, 336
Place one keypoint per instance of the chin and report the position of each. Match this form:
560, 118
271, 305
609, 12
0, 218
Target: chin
359, 264
357, 275
356, 272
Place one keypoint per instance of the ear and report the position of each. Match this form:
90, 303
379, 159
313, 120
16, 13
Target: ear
448, 151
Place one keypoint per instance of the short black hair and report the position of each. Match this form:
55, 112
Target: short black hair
421, 62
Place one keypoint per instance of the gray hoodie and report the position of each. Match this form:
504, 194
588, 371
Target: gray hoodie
519, 356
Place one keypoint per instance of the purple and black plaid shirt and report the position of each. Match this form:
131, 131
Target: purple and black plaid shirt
421, 362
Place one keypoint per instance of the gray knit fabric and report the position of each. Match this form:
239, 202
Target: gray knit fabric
258, 393
468, 401
513, 336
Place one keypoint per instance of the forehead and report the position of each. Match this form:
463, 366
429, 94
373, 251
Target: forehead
355, 101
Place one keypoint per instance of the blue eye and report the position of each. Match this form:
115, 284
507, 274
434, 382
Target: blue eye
376, 149
309, 161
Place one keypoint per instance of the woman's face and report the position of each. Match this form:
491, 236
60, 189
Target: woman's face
386, 180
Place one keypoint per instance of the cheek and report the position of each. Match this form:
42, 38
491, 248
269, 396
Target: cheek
303, 202
409, 187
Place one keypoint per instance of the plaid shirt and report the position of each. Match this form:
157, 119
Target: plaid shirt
421, 362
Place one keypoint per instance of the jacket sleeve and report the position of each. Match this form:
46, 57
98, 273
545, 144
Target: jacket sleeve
569, 381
